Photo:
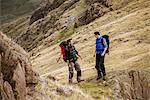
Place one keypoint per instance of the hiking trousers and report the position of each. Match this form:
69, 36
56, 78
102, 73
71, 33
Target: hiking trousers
72, 65
100, 65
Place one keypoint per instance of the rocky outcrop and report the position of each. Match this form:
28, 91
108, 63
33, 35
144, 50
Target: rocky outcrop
6, 90
43, 28
49, 24
48, 19
96, 9
44, 10
16, 72
131, 85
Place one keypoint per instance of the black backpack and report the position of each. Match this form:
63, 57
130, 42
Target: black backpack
107, 40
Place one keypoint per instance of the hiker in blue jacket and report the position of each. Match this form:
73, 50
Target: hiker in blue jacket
101, 48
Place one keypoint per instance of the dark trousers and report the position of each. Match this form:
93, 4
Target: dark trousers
75, 65
100, 65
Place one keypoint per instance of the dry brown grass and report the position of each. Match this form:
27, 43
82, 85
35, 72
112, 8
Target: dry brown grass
129, 29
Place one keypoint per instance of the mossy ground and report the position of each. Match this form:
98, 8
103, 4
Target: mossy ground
97, 90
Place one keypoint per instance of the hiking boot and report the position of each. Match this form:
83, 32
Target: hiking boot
98, 78
104, 78
79, 80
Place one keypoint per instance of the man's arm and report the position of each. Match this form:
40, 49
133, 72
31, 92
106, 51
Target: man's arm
77, 53
106, 46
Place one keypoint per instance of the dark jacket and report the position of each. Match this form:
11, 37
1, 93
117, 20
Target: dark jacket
71, 53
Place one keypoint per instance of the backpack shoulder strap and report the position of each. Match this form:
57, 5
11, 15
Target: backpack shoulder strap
100, 40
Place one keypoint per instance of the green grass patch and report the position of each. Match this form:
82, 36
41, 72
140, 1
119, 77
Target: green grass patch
97, 90
67, 32
64, 34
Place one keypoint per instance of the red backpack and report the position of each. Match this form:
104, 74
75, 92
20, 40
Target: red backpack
63, 48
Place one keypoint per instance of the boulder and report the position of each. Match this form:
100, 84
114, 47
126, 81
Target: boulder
16, 72
94, 11
131, 85
45, 9
42, 28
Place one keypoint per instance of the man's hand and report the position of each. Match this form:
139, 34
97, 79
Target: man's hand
103, 54
68, 63
80, 57
94, 55
58, 59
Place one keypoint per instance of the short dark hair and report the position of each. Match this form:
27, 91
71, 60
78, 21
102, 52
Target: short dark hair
64, 43
96, 33
69, 40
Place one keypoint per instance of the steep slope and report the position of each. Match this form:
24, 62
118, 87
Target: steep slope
128, 24
128, 27
130, 50
11, 9
49, 22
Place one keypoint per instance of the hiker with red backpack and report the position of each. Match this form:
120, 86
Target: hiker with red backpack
102, 47
63, 47
71, 55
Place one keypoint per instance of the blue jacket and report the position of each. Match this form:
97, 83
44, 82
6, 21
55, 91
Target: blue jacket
100, 45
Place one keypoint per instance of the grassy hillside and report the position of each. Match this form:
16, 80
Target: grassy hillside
12, 8
128, 26
129, 29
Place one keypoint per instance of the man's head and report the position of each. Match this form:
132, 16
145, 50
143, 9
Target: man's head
69, 41
64, 43
96, 34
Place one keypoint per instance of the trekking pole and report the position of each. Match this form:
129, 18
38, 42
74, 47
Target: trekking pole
58, 59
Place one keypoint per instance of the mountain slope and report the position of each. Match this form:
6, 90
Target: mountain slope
128, 31
130, 49
127, 23
11, 9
